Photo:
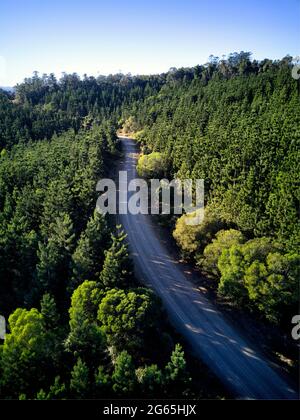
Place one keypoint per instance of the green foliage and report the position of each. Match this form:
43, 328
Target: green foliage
103, 383
79, 383
117, 268
125, 316
85, 338
123, 377
224, 239
231, 266
233, 122
259, 273
130, 126
44, 106
46, 199
177, 366
193, 238
17, 262
3, 153
86, 299
28, 352
176, 375
88, 257
53, 268
273, 285
150, 380
49, 311
57, 391
235, 260
152, 165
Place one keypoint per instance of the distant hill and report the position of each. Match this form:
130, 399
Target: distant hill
7, 88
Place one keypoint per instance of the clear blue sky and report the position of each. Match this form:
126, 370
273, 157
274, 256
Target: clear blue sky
138, 36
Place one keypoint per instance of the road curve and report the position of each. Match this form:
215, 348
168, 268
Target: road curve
240, 367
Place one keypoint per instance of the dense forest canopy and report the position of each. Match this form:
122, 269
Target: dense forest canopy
235, 123
42, 106
79, 324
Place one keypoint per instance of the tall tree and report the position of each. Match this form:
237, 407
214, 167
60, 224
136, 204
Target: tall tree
53, 268
176, 375
117, 268
85, 338
79, 383
125, 317
123, 377
88, 257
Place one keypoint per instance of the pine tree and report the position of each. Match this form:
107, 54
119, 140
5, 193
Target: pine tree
102, 383
53, 268
85, 338
88, 257
176, 376
79, 384
57, 391
117, 267
28, 353
49, 311
150, 379
124, 379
